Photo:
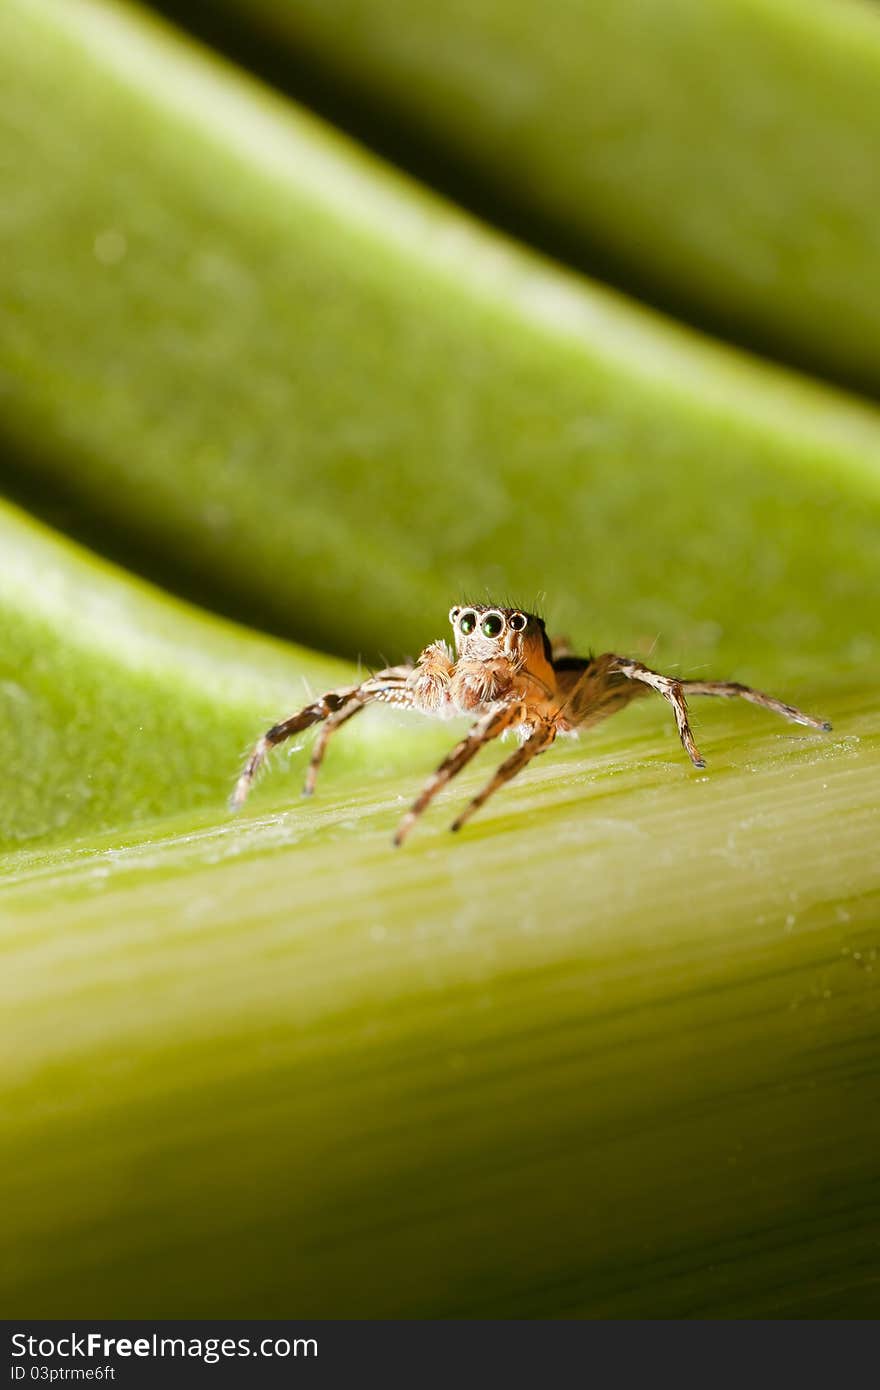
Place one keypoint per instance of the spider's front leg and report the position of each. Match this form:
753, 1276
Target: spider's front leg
336, 707
424, 687
430, 679
538, 741
491, 725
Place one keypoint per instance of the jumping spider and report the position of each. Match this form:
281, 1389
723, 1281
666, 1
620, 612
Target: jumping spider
508, 674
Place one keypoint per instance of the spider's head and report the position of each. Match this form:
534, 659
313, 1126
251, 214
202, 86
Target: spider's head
482, 633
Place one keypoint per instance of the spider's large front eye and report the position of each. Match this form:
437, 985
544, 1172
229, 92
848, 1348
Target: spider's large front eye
492, 625
467, 624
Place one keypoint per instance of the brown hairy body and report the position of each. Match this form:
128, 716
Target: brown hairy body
507, 674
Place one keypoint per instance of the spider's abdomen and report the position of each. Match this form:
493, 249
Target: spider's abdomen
591, 690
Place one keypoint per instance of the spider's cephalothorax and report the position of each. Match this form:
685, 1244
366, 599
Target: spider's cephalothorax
506, 674
495, 648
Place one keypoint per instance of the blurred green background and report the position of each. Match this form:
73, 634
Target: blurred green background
316, 318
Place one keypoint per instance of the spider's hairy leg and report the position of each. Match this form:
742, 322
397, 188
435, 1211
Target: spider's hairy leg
430, 678
388, 686
493, 723
321, 708
731, 689
537, 742
327, 729
671, 690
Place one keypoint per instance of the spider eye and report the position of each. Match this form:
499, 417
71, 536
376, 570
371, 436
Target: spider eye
492, 625
467, 624
517, 621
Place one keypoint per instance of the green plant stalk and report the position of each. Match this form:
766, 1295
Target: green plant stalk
612, 1051
304, 389
719, 157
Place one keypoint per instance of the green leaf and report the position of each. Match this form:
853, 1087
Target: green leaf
117, 703
312, 395
719, 159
